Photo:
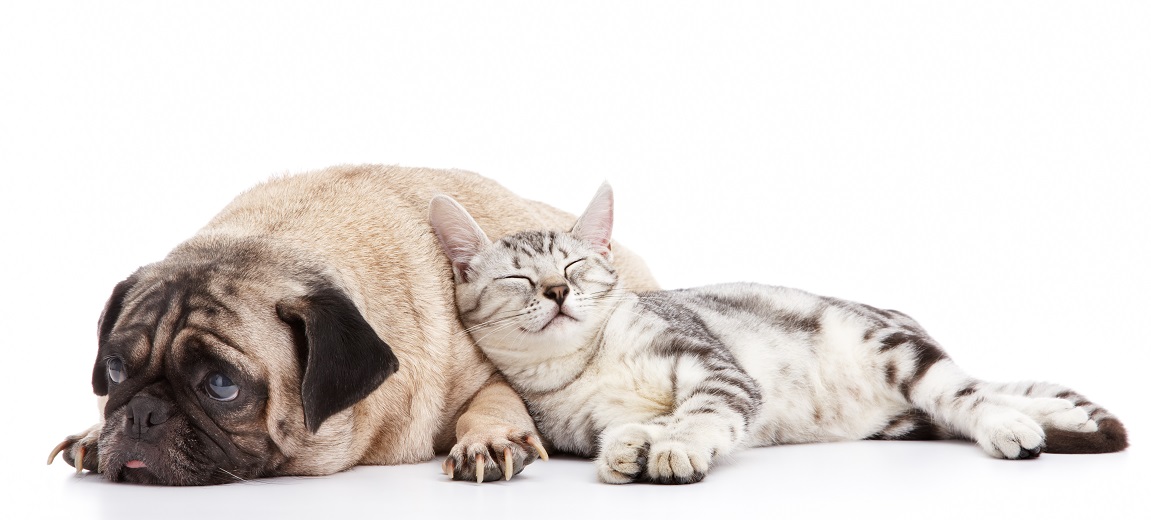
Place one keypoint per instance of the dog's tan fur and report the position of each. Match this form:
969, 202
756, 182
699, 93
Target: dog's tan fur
365, 229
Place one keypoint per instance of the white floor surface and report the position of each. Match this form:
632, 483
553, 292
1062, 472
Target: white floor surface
981, 165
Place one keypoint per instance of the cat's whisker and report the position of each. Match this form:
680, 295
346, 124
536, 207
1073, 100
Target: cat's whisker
499, 328
492, 323
608, 294
497, 321
607, 298
708, 367
509, 314
519, 340
495, 330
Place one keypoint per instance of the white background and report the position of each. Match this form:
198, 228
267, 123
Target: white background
981, 166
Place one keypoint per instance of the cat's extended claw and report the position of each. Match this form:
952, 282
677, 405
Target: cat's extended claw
539, 447
509, 464
479, 468
449, 468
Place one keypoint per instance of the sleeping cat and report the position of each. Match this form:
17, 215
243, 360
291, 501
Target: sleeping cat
657, 385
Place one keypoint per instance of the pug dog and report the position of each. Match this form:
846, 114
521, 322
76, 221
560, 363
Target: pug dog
308, 328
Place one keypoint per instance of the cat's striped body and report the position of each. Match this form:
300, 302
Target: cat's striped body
657, 385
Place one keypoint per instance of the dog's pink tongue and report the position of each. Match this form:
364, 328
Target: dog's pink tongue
136, 464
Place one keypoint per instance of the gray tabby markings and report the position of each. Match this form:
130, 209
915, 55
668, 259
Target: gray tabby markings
657, 385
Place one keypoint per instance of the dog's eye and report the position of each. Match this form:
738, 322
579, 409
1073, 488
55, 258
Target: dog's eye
220, 388
116, 371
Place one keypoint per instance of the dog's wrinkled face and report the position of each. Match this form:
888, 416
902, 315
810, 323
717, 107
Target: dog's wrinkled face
217, 372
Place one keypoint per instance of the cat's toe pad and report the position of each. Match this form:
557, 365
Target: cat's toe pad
624, 454
1010, 435
673, 462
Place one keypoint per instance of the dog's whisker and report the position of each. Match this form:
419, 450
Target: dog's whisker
240, 479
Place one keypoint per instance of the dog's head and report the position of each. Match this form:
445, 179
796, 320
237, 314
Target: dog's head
219, 367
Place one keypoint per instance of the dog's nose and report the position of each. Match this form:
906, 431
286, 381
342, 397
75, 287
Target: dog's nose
557, 293
144, 412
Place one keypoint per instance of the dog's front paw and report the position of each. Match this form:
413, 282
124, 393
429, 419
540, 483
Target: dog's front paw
487, 457
80, 451
623, 454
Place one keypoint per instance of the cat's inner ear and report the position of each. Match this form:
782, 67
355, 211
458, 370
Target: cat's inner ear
459, 234
594, 226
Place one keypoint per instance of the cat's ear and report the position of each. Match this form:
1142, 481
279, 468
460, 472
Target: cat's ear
594, 226
459, 234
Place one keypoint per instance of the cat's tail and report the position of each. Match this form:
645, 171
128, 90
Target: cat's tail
1101, 433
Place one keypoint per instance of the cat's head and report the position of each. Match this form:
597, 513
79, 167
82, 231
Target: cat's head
533, 288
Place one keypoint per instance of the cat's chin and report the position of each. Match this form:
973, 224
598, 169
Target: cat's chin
558, 323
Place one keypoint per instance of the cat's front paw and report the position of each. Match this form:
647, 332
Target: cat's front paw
1010, 435
623, 454
80, 450
674, 462
485, 457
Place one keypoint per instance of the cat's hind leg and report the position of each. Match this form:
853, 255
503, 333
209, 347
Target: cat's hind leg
1071, 422
954, 399
931, 382
1016, 420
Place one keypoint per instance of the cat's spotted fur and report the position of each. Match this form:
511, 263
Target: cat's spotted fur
657, 385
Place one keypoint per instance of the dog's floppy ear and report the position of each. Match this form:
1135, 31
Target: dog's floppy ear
342, 357
104, 328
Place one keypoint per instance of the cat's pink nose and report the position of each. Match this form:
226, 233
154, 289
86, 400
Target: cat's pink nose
557, 293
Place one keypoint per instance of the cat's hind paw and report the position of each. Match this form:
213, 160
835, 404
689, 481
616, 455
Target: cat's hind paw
1011, 435
1063, 415
1058, 413
623, 454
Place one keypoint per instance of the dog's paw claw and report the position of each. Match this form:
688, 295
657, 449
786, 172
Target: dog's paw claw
79, 451
486, 457
59, 447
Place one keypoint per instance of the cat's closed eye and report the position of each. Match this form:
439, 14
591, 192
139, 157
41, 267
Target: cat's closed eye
517, 278
568, 269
